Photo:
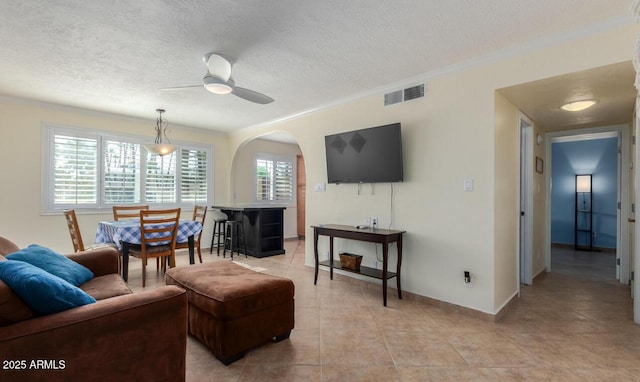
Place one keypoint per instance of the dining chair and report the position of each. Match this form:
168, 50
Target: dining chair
127, 212
76, 237
158, 231
199, 213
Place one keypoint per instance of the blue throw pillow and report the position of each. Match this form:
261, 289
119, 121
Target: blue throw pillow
54, 263
43, 292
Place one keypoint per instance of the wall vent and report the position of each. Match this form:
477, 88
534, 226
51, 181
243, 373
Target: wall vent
404, 95
393, 97
414, 92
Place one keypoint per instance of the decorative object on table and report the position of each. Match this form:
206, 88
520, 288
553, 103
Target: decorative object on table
583, 234
218, 80
161, 147
350, 261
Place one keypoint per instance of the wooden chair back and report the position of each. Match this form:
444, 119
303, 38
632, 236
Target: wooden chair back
199, 214
74, 230
158, 232
127, 212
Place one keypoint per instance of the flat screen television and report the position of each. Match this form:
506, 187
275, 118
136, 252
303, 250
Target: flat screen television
372, 155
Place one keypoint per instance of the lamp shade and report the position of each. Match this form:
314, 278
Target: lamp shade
160, 148
583, 183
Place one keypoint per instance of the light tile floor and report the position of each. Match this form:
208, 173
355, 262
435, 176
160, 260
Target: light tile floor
574, 324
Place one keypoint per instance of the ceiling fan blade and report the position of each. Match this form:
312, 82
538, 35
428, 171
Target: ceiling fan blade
252, 96
182, 87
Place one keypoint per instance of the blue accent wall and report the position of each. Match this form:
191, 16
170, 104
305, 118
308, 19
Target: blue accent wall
598, 157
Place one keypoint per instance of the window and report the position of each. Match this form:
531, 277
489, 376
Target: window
275, 179
94, 170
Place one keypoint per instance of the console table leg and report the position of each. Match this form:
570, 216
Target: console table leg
385, 259
331, 257
315, 252
399, 246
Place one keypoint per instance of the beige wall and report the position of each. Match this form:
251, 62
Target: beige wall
449, 135
242, 175
20, 127
507, 183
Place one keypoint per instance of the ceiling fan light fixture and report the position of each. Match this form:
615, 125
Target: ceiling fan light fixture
216, 85
578, 105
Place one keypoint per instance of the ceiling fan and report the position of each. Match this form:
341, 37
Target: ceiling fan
218, 80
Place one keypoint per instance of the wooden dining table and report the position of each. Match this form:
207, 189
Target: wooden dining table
126, 233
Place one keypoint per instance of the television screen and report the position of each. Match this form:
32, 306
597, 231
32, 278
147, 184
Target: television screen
372, 155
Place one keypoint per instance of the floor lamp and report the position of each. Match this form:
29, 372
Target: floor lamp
583, 211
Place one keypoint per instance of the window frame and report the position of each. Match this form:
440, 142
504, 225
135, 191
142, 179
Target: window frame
50, 130
282, 158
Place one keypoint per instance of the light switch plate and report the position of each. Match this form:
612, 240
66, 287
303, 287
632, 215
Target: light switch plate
468, 185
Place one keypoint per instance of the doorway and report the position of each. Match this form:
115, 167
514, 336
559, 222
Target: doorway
603, 153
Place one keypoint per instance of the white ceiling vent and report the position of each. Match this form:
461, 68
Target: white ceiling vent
404, 95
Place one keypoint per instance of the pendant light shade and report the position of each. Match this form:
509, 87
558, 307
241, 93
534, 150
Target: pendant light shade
160, 147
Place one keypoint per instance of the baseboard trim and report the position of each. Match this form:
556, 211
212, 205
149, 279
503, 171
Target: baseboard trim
571, 246
506, 308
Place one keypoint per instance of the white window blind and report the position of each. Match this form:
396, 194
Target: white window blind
88, 169
274, 179
75, 170
193, 171
121, 172
160, 182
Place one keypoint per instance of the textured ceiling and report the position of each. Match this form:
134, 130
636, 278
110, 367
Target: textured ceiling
114, 56
611, 86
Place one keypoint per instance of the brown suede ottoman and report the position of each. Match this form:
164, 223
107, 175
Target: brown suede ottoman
233, 309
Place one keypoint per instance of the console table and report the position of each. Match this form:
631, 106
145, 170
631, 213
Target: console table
263, 228
382, 236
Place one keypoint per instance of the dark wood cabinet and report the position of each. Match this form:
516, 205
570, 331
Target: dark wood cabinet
263, 228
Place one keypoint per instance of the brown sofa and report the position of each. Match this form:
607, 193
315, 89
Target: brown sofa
123, 336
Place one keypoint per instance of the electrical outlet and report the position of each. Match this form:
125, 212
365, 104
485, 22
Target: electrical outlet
374, 264
467, 279
325, 255
374, 222
367, 221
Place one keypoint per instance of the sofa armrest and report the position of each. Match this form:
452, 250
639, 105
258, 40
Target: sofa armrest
101, 261
139, 336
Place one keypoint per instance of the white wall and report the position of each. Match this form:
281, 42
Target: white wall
449, 135
21, 164
242, 175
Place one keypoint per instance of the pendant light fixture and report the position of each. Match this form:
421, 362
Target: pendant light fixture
160, 147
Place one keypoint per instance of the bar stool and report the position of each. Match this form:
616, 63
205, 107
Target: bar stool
233, 234
218, 232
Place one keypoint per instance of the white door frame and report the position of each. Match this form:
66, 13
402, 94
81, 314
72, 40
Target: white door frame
622, 241
525, 200
635, 293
